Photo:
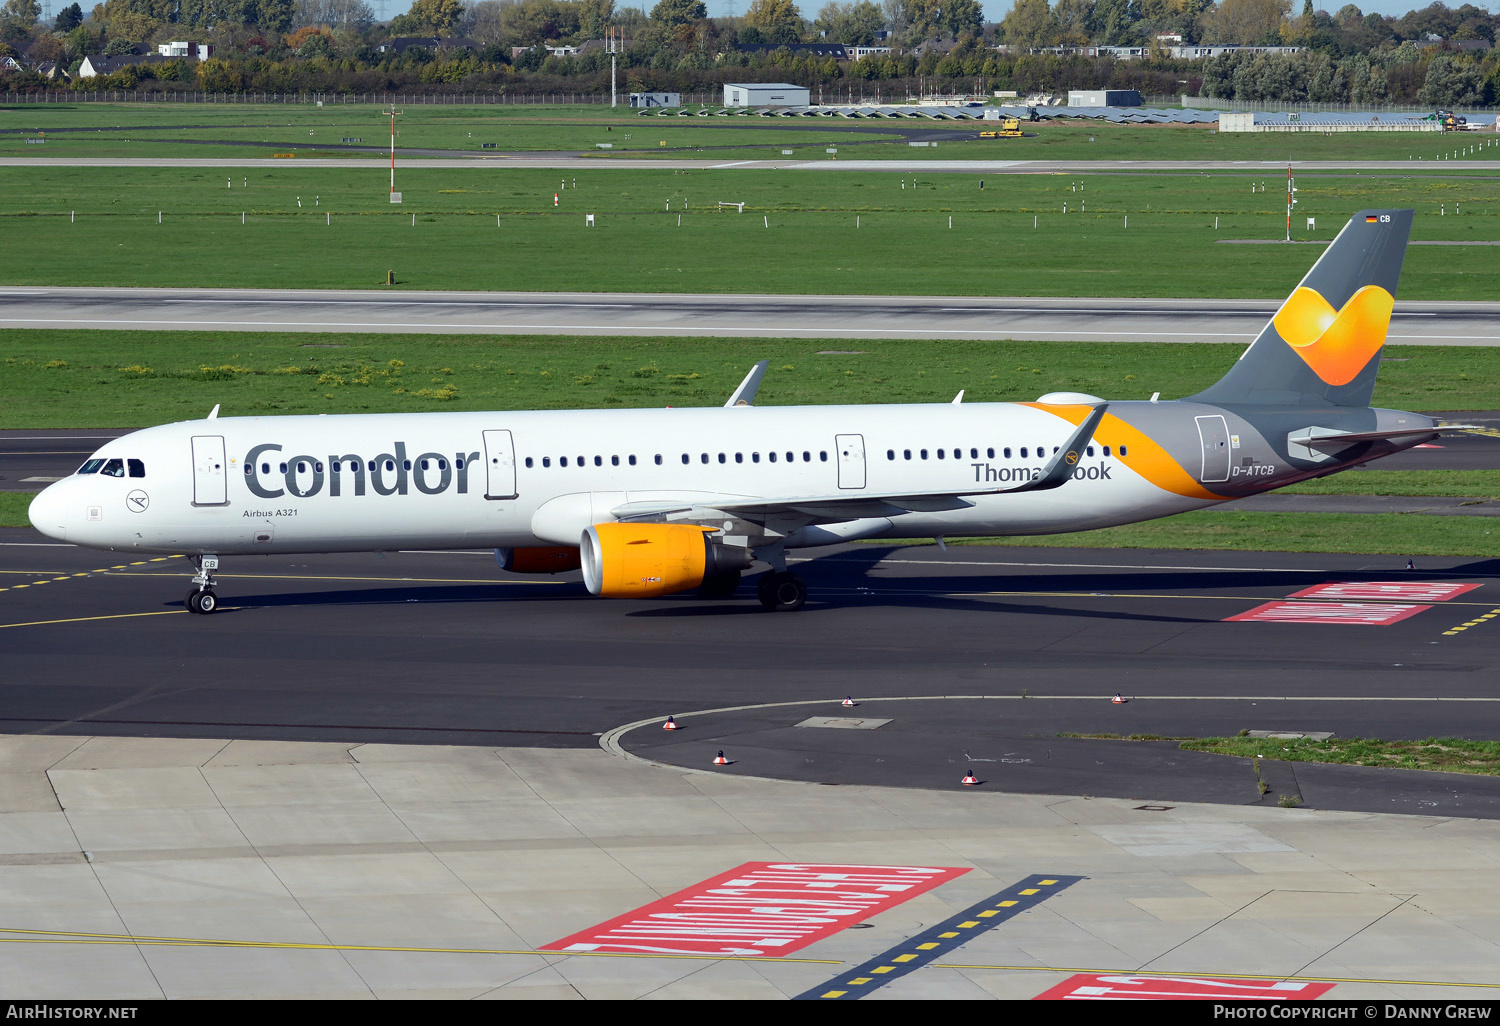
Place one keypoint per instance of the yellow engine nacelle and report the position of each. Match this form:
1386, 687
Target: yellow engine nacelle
538, 559
645, 560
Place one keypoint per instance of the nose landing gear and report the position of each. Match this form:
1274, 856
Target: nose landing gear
202, 598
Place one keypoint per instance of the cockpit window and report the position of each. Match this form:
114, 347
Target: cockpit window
137, 468
114, 468
91, 467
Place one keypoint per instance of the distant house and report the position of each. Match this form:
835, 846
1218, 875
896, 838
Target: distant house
590, 45
937, 46
859, 53
197, 51
98, 65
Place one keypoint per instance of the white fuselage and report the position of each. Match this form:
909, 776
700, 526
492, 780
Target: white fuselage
439, 480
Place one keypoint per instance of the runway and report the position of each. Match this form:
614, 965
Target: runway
565, 161
758, 316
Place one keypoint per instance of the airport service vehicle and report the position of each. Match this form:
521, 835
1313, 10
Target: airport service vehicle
649, 502
1010, 128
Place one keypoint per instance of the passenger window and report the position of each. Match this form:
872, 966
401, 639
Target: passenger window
1122, 450
823, 455
721, 457
705, 457
614, 461
137, 468
684, 459
791, 457
282, 469
940, 454
1007, 452
631, 459
423, 464
599, 461
1089, 450
924, 454
1023, 452
460, 463
546, 461
442, 464
974, 453
739, 457
1106, 450
906, 453
528, 463
583, 461
406, 464
806, 456
562, 461
890, 454
771, 456
755, 457
990, 453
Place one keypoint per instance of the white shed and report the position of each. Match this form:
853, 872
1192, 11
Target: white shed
766, 94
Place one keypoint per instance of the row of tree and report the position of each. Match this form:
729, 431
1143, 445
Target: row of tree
334, 46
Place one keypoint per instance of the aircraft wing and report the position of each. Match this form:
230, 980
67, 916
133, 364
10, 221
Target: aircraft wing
844, 506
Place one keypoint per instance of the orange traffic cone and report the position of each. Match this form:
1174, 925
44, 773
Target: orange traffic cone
848, 703
1117, 700
719, 760
671, 724
970, 779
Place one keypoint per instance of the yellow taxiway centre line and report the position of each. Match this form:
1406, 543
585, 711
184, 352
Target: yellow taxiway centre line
86, 619
68, 937
1216, 975
1472, 623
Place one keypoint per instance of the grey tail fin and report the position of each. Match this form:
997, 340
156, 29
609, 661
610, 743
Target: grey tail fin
1323, 346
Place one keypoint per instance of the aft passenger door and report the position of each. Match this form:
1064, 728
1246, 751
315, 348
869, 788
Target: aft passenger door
851, 450
499, 465
1213, 432
210, 483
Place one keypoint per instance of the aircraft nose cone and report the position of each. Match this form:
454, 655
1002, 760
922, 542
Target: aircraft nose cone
46, 513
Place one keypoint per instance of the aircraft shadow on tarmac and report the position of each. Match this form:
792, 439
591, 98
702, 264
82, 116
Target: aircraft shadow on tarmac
832, 576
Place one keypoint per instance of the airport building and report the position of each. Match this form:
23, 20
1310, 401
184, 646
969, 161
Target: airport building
1104, 98
656, 99
766, 94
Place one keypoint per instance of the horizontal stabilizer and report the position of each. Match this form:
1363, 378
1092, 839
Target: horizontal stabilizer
1329, 438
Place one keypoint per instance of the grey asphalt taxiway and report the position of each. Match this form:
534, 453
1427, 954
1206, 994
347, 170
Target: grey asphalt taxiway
978, 653
615, 314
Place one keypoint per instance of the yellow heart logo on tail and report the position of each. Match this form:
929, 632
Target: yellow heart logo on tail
1336, 345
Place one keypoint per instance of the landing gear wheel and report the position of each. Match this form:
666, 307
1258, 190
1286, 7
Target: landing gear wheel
719, 585
201, 601
781, 592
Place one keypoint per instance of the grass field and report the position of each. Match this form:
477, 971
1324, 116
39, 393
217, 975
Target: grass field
1446, 754
661, 231
229, 130
132, 379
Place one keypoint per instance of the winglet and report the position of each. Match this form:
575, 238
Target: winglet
213, 414
958, 398
1059, 470
745, 394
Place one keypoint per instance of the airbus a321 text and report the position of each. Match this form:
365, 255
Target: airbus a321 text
654, 501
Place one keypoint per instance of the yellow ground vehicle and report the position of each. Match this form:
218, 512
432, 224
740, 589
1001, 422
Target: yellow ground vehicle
1010, 128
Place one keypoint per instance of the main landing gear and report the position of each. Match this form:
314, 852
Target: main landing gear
202, 598
781, 592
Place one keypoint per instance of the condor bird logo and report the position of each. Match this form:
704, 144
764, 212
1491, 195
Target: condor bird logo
1335, 344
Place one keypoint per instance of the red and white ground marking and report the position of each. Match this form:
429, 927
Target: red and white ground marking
759, 909
1394, 591
1133, 986
1378, 614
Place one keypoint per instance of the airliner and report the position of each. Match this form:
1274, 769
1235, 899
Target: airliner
650, 502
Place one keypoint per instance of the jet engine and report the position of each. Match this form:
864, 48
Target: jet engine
645, 560
538, 559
